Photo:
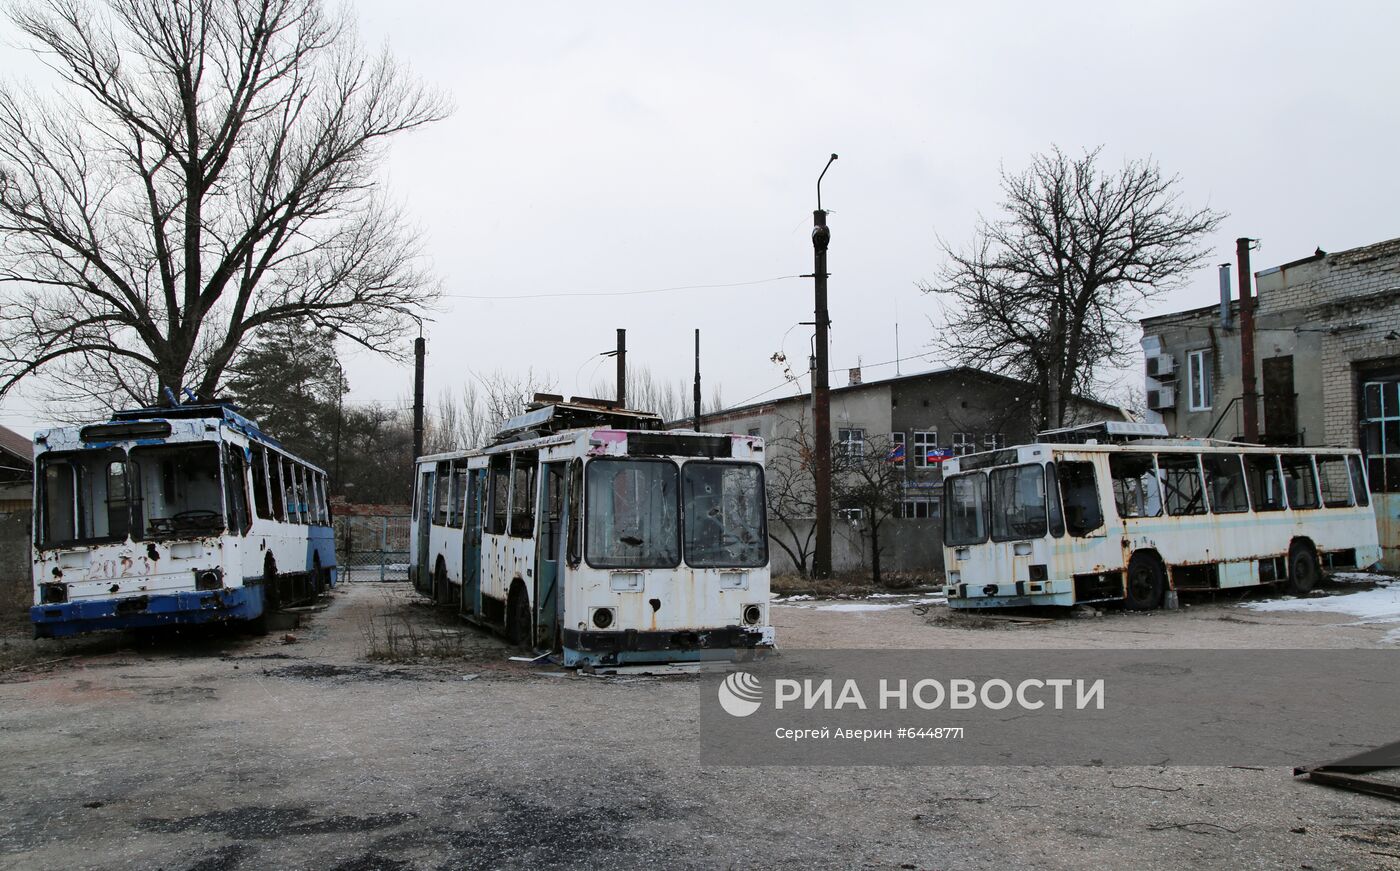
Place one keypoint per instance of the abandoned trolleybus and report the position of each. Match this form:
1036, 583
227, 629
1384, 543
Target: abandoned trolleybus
590, 530
1060, 523
164, 516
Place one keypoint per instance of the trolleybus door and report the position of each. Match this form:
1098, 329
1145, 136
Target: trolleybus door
553, 516
471, 543
423, 574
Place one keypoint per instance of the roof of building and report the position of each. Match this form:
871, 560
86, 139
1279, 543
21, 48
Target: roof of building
14, 443
945, 372
1390, 248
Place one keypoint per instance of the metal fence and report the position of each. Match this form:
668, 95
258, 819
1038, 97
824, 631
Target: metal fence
372, 548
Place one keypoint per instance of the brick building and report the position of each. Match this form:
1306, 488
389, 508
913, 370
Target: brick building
16, 503
1327, 365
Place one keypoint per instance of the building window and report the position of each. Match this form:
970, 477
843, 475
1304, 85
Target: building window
850, 442
1199, 380
755, 431
994, 441
1380, 434
897, 454
924, 444
964, 443
920, 508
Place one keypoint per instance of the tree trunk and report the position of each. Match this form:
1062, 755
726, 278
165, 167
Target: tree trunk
875, 553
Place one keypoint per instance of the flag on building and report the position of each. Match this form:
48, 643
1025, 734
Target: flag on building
897, 453
938, 455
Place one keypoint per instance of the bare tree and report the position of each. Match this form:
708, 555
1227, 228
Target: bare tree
209, 170
670, 400
866, 480
1048, 292
790, 490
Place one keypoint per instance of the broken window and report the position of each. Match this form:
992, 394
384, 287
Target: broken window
1181, 482
1136, 489
1265, 486
260, 501
522, 495
724, 515
633, 514
1299, 480
575, 511
235, 473
1358, 481
500, 493
184, 491
442, 495
459, 494
965, 509
1080, 496
1224, 477
552, 528
1052, 501
1333, 479
274, 483
1018, 502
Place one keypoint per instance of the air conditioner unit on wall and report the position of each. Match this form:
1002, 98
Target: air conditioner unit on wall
1161, 398
1162, 367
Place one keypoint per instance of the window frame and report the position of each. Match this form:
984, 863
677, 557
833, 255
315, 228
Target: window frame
1200, 379
923, 441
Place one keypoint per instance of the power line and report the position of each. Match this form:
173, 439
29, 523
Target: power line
587, 293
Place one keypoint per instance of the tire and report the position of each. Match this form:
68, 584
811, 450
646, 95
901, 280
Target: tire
318, 578
272, 590
1146, 583
1303, 569
518, 617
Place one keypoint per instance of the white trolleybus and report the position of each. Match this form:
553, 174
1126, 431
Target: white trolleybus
1119, 512
165, 516
590, 530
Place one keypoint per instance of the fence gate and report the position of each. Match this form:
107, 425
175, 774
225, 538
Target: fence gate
372, 548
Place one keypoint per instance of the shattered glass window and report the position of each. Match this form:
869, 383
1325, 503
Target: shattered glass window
724, 515
633, 514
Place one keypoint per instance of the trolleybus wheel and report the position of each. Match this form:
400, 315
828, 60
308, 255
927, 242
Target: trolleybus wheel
1303, 572
1146, 583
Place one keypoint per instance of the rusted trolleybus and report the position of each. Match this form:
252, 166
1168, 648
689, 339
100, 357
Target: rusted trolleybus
164, 516
590, 530
1119, 512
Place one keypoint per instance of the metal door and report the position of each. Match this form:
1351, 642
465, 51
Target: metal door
423, 573
553, 520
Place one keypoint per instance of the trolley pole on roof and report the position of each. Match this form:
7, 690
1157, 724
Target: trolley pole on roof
821, 399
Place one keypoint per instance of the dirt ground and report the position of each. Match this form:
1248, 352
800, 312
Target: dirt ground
240, 753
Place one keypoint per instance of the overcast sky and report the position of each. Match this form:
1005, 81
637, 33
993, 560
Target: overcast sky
635, 146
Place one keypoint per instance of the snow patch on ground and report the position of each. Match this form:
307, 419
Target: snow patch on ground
1379, 605
888, 602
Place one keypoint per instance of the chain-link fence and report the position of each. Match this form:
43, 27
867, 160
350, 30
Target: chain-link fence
372, 548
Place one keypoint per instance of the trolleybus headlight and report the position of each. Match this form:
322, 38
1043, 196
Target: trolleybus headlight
602, 617
753, 615
209, 579
53, 594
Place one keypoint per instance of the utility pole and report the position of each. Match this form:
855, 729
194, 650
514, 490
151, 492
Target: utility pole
621, 368
821, 399
697, 380
1251, 393
420, 350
